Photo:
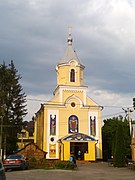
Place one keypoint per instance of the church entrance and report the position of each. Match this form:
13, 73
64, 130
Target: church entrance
78, 149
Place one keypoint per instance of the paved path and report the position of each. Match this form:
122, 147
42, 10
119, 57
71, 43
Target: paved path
89, 171
101, 171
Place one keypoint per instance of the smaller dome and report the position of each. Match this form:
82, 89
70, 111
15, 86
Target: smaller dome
70, 52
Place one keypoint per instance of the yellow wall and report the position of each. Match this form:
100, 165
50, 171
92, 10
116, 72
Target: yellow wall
66, 113
100, 147
78, 93
66, 150
63, 74
39, 134
55, 100
90, 155
45, 131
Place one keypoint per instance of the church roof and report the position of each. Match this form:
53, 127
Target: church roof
70, 52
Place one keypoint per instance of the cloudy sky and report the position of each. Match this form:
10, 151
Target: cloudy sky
33, 33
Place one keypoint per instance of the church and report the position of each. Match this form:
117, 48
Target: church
69, 123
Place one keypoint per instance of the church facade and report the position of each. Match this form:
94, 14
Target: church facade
70, 123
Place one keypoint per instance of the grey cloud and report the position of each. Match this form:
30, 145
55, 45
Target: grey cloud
34, 34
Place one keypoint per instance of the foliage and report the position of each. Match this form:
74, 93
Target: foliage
60, 165
70, 165
134, 103
120, 148
65, 165
51, 164
12, 104
108, 135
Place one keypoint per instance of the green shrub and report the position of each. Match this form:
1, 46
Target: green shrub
70, 165
50, 164
59, 165
64, 165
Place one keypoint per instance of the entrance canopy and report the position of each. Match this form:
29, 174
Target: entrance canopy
78, 137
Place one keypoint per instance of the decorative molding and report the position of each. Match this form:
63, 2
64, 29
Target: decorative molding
68, 64
73, 61
68, 90
52, 112
95, 113
84, 97
75, 97
66, 87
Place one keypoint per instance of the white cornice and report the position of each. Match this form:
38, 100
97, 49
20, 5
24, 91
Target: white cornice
62, 87
68, 64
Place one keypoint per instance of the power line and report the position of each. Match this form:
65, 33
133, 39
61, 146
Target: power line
109, 115
30, 99
108, 106
117, 106
104, 106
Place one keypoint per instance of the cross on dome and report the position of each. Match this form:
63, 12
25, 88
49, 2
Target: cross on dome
70, 52
69, 36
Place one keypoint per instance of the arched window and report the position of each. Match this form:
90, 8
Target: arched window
72, 75
73, 124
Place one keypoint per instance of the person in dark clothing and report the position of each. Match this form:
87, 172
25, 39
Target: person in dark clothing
73, 160
79, 155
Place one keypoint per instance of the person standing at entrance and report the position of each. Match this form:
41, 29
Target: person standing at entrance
79, 155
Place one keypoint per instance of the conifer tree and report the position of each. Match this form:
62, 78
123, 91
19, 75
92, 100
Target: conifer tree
12, 104
120, 148
108, 136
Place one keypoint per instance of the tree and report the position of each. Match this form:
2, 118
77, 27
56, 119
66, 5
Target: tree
12, 104
120, 147
134, 103
108, 136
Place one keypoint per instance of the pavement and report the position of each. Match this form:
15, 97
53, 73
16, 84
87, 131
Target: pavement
85, 171
101, 171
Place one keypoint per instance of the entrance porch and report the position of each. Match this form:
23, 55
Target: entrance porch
80, 145
78, 149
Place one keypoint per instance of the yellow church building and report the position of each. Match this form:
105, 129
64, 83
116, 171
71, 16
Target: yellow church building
70, 123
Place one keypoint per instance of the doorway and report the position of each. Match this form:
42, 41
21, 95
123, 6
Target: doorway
78, 149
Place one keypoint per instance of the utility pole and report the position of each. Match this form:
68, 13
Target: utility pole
1, 131
128, 112
5, 142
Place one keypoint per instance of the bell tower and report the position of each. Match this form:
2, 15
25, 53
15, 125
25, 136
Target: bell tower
70, 72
